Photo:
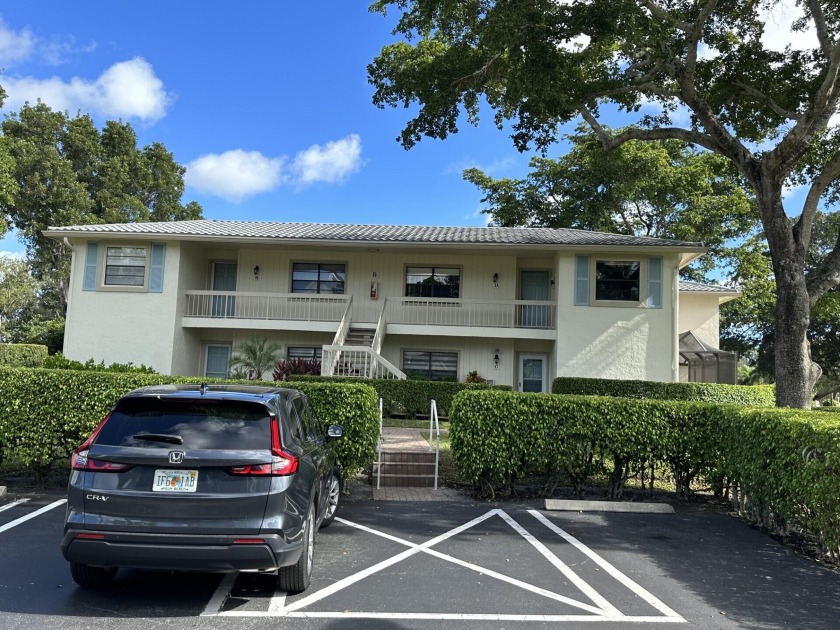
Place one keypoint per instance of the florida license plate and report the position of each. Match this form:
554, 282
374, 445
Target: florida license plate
175, 480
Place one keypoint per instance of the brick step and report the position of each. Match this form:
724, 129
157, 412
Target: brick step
418, 457
405, 468
405, 481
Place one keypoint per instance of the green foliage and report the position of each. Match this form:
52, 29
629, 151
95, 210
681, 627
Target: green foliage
59, 362
22, 355
781, 467
409, 397
255, 357
749, 395
45, 414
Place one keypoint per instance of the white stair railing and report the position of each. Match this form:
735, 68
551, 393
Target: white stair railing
434, 434
359, 362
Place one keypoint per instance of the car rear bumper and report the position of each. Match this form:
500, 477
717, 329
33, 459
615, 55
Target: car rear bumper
179, 553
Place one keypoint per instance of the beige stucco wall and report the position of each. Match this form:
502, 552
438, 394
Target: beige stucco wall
700, 314
611, 341
123, 326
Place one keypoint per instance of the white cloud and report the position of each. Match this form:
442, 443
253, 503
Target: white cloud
59, 48
13, 255
330, 163
14, 45
128, 89
778, 19
234, 175
237, 174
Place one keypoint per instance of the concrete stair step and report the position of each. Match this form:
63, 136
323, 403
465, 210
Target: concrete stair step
405, 481
419, 457
405, 468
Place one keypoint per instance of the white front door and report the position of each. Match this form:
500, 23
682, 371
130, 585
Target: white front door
533, 373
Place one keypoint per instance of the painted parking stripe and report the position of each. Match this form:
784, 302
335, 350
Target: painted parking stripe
13, 504
610, 569
606, 612
220, 595
32, 515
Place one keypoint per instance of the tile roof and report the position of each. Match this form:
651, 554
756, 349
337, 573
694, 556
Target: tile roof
337, 232
698, 287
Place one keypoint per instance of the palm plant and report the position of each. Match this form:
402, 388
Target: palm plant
256, 356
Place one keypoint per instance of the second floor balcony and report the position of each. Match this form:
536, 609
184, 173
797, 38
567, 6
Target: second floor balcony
297, 311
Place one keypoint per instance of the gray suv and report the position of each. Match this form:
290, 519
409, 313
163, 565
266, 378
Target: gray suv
202, 478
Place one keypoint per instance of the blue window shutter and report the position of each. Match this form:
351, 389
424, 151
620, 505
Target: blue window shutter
654, 299
156, 267
581, 280
91, 263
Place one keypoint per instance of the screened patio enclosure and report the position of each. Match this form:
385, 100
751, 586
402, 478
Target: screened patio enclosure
703, 363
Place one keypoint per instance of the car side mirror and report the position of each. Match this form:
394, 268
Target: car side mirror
335, 431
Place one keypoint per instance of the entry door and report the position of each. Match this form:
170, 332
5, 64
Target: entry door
533, 372
534, 286
224, 279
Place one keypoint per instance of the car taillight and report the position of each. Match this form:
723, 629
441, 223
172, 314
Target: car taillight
79, 458
282, 462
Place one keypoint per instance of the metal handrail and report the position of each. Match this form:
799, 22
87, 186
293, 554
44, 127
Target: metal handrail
328, 367
360, 358
379, 450
434, 427
378, 337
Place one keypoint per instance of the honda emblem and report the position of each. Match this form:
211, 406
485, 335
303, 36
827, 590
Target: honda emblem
176, 457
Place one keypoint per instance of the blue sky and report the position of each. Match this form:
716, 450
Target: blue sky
266, 103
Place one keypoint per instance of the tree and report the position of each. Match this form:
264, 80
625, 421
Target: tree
659, 189
256, 357
543, 63
18, 294
65, 171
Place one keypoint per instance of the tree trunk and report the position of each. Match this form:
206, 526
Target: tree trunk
796, 373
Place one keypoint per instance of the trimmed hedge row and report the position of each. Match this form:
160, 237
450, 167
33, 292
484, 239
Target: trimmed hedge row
410, 397
781, 466
748, 395
22, 355
45, 414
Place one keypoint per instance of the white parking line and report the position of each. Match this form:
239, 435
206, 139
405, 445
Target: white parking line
23, 519
220, 595
13, 504
602, 612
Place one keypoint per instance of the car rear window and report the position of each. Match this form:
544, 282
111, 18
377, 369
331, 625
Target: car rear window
219, 424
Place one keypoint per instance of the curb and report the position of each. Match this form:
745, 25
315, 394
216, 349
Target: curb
607, 506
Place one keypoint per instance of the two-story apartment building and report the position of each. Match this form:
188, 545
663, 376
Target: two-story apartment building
519, 306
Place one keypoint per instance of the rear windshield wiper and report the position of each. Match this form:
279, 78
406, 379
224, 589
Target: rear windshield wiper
159, 437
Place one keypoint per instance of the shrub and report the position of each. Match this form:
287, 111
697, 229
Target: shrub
296, 367
45, 414
748, 395
409, 397
59, 362
22, 355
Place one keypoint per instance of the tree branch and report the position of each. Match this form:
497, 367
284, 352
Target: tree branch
825, 277
662, 13
829, 173
761, 96
609, 141
823, 33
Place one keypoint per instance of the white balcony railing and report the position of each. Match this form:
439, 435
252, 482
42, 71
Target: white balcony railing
357, 361
471, 313
270, 306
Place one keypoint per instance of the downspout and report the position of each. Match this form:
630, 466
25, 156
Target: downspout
73, 252
675, 323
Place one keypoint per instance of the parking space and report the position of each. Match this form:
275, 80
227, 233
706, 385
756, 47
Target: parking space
454, 565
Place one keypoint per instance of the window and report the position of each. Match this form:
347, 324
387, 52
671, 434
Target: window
433, 282
125, 266
318, 278
617, 280
216, 365
432, 366
304, 353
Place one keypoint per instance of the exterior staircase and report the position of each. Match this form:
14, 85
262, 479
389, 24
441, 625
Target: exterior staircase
406, 460
360, 336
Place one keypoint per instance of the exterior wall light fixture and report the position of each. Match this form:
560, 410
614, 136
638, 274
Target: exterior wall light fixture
496, 358
496, 279
257, 272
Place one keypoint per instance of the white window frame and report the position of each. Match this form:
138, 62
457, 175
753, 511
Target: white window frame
319, 263
103, 266
216, 344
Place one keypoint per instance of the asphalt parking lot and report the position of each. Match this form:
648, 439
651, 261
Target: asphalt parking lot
449, 564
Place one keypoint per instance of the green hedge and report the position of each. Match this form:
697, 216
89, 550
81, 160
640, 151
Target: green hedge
748, 395
45, 414
410, 397
22, 355
781, 466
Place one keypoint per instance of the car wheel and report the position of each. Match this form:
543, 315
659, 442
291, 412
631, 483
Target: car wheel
87, 576
296, 578
333, 498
